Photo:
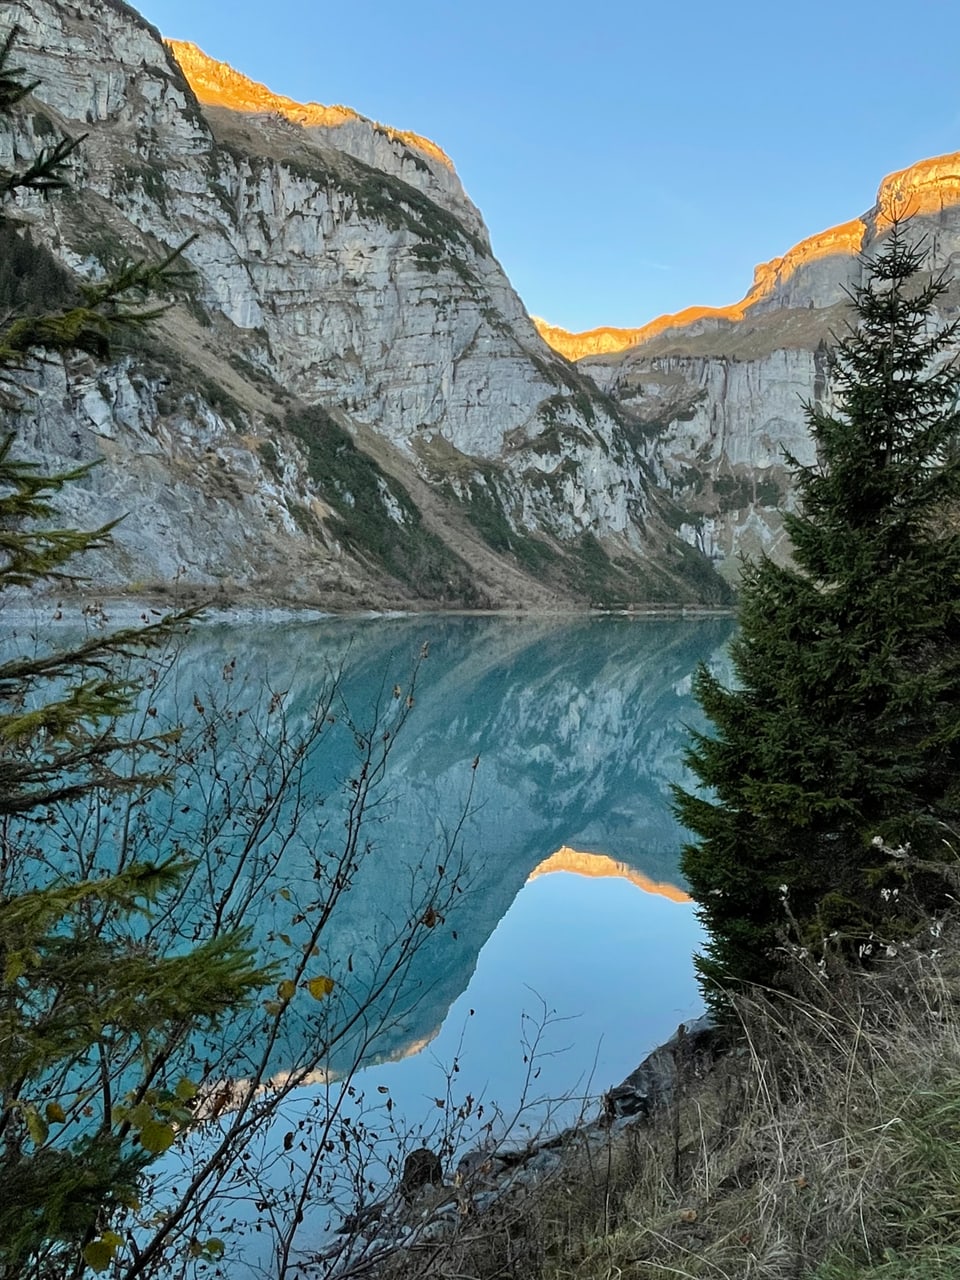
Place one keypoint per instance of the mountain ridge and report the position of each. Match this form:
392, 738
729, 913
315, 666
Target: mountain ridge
919, 190
218, 84
724, 391
352, 407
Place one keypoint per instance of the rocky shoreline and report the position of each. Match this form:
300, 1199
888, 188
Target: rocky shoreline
429, 1209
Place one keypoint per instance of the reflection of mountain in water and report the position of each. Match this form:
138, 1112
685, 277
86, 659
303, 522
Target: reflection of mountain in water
579, 727
598, 865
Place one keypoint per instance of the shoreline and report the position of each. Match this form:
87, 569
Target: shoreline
69, 608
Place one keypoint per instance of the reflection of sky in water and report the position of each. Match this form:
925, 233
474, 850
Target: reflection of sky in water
609, 959
579, 730
613, 962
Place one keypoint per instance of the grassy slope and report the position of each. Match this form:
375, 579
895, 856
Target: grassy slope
824, 1146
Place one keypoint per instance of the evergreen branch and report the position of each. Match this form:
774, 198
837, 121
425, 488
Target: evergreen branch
96, 653
43, 174
111, 307
13, 87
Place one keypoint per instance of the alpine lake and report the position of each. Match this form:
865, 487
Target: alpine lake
485, 803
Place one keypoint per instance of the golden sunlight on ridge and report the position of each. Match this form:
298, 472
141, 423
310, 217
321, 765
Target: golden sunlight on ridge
922, 189
599, 865
847, 238
216, 84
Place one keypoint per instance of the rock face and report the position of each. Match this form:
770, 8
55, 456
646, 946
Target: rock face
352, 406
721, 390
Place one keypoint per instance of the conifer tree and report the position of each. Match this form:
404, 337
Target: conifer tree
841, 735
80, 991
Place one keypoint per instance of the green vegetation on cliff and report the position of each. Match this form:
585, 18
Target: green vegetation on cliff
375, 515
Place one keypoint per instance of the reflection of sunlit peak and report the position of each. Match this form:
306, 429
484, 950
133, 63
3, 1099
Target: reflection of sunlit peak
284, 1079
599, 865
227, 1095
414, 1047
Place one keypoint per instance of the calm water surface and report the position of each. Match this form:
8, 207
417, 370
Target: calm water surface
535, 766
574, 911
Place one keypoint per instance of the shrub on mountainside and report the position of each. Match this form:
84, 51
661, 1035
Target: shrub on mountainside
31, 279
841, 737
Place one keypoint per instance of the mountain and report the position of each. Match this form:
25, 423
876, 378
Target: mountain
722, 389
352, 407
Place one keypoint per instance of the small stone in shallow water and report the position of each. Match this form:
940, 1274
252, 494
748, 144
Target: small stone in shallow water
421, 1168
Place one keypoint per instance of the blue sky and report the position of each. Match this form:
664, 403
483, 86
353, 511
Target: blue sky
629, 159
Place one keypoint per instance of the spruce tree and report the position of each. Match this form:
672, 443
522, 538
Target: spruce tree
93, 1021
841, 735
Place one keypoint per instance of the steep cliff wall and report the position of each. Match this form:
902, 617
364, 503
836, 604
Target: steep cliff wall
353, 405
721, 391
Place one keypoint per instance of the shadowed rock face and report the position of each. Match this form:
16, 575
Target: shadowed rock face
353, 405
721, 390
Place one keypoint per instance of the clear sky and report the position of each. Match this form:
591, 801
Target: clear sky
629, 158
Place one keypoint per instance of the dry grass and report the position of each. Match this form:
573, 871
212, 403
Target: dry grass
826, 1146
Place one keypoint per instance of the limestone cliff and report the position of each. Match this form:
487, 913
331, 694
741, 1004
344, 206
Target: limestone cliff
352, 406
720, 390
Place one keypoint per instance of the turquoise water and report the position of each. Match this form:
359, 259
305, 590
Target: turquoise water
578, 728
524, 737
536, 977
